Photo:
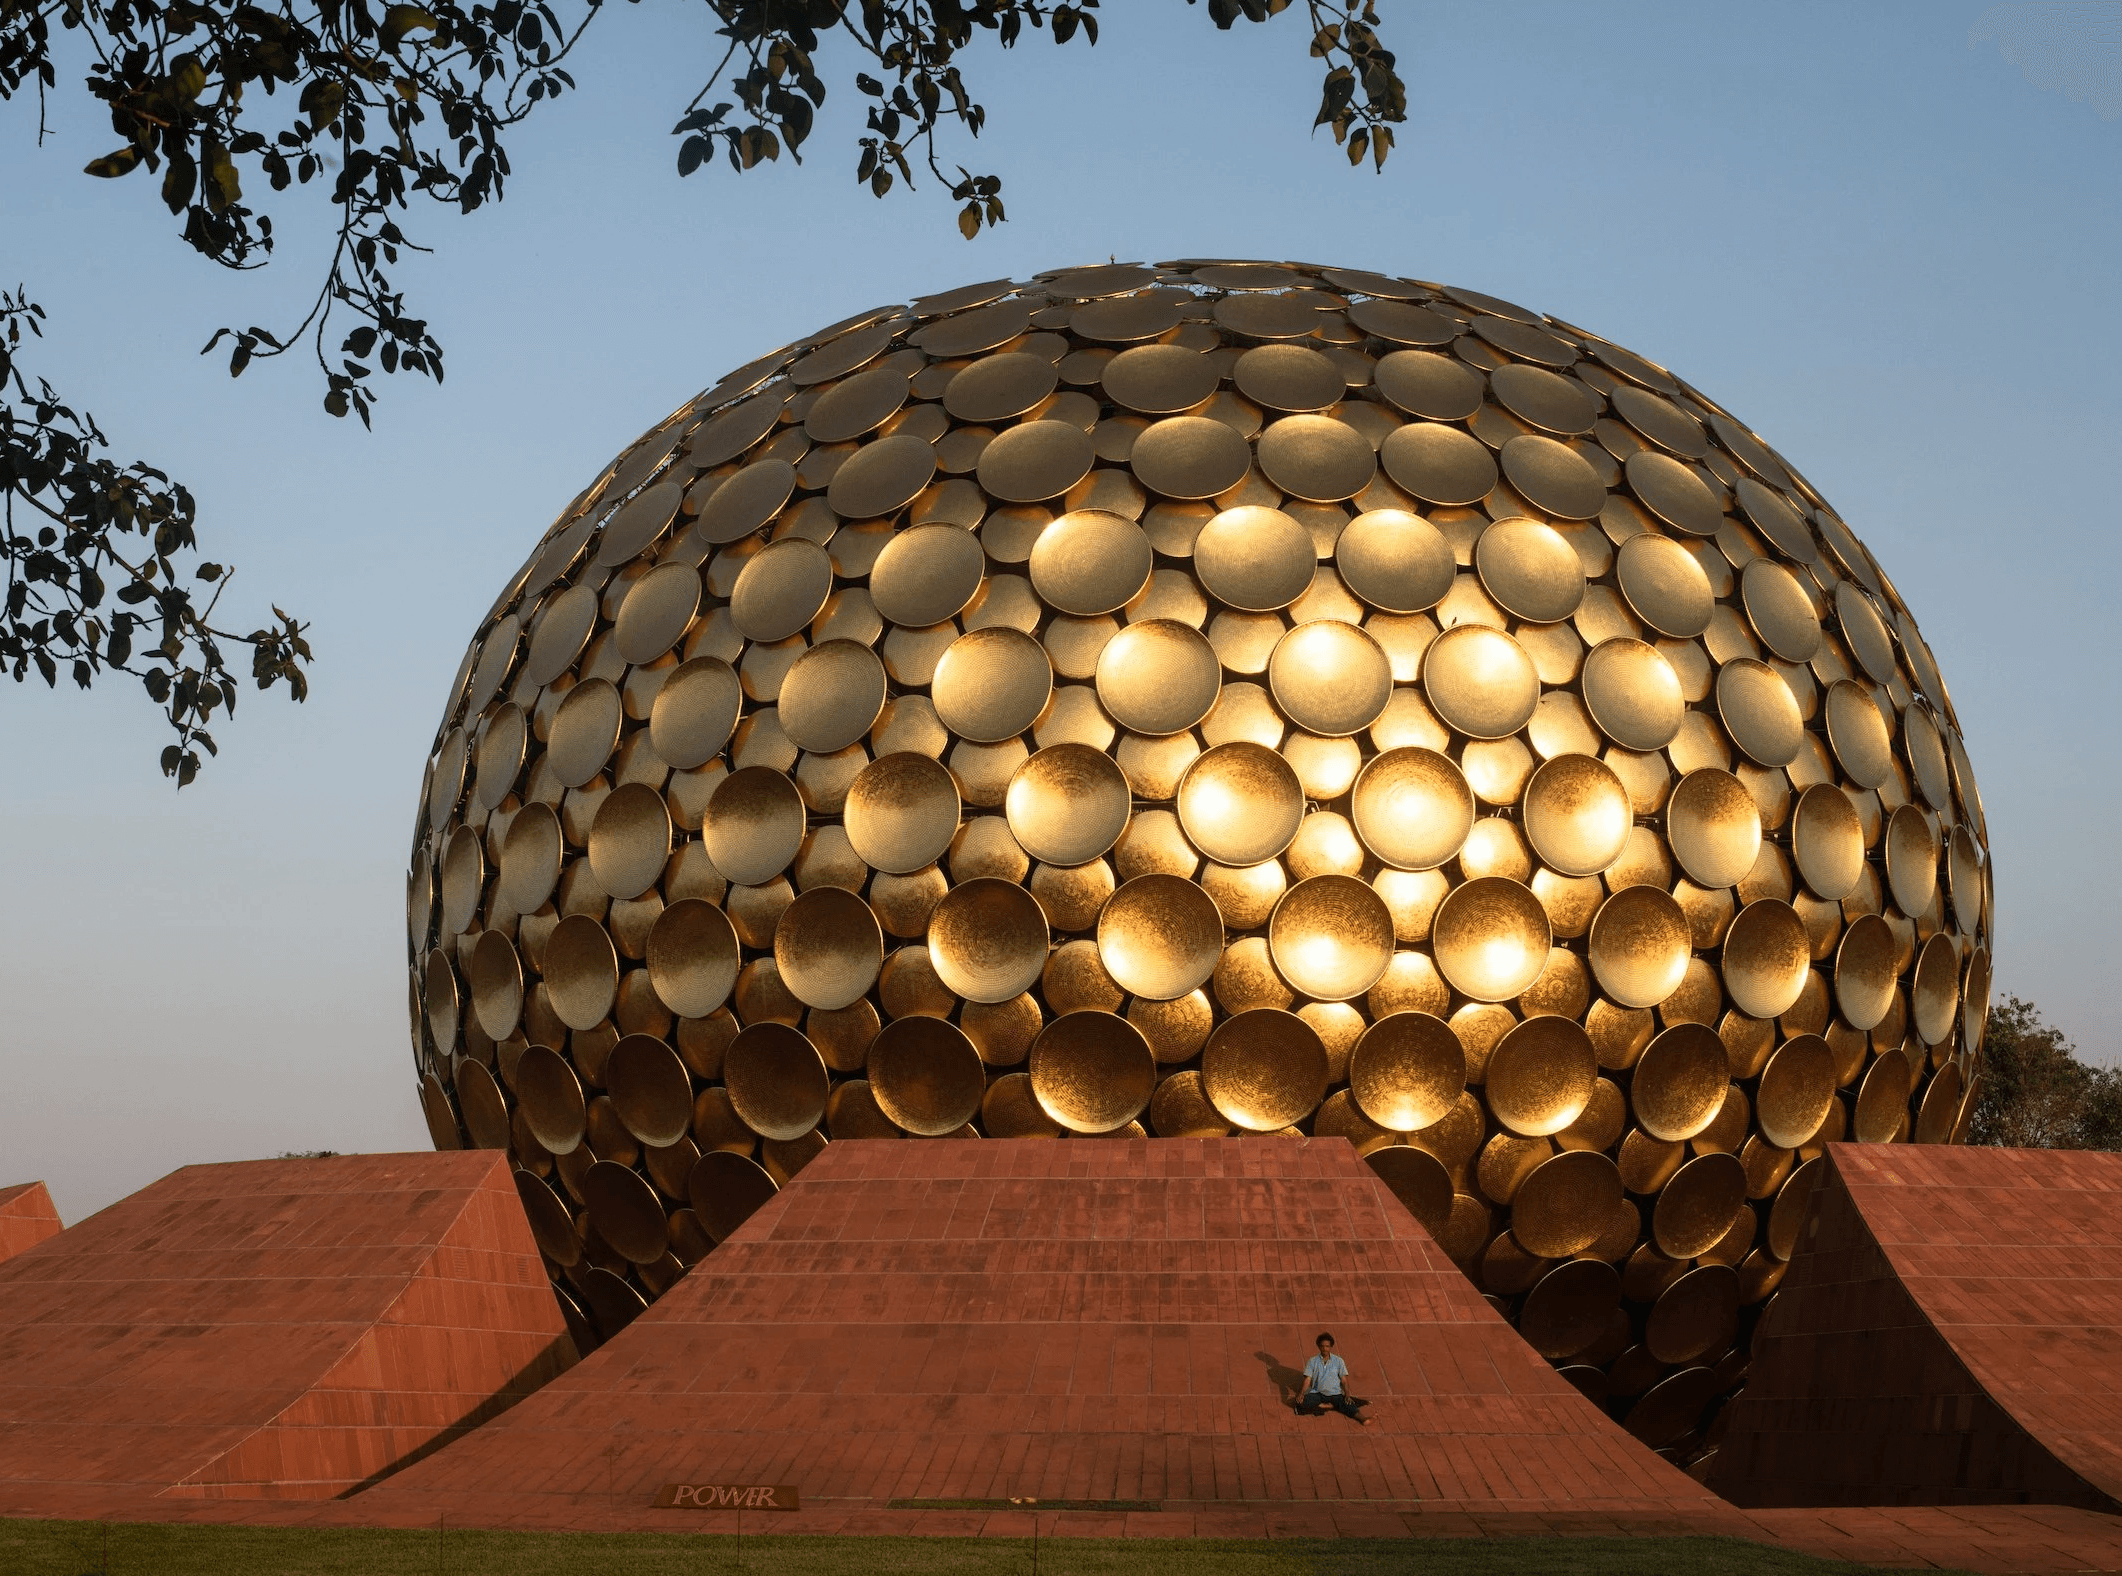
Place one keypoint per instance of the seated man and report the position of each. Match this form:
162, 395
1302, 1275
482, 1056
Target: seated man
1326, 1384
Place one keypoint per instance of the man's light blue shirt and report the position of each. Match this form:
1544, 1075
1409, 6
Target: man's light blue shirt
1326, 1374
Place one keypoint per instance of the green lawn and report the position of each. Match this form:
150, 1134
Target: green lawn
61, 1548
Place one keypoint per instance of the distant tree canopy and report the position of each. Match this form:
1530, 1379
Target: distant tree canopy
2036, 1094
384, 102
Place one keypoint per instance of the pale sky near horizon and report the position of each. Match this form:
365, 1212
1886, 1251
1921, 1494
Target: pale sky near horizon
1888, 244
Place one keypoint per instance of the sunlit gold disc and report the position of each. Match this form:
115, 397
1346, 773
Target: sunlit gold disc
859, 405
1317, 458
692, 957
1911, 861
1864, 972
780, 589
1767, 957
650, 1089
1438, 464
1862, 741
1664, 585
1395, 560
495, 977
1190, 457
1425, 384
882, 477
1564, 1203
1680, 1081
1934, 995
1412, 808
1673, 492
1240, 803
629, 840
1092, 1072
902, 812
1827, 841
1288, 377
754, 825
695, 712
1882, 1100
1552, 477
1255, 558
987, 939
1067, 804
1159, 936
584, 731
1697, 1207
991, 684
1540, 1076
550, 1097
1088, 562
828, 948
1264, 1069
1330, 678
1331, 937
656, 612
1760, 712
558, 636
1639, 946
1633, 693
726, 1190
1480, 681
926, 574
1530, 570
994, 388
1941, 1106
581, 970
1490, 938
833, 695
1419, 1181
1158, 677
1407, 1071
1576, 815
530, 858
776, 1080
1554, 403
1780, 611
1159, 380
926, 1076
1865, 631
1714, 827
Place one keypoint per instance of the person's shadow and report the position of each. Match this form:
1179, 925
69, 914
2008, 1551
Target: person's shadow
1287, 1380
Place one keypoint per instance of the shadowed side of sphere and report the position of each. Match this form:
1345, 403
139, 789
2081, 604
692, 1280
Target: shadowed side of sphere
926, 1075
1565, 1202
777, 1082
987, 939
1407, 1071
1159, 936
1092, 1071
1158, 677
1264, 1069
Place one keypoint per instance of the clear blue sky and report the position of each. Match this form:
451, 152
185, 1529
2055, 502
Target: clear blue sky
1883, 243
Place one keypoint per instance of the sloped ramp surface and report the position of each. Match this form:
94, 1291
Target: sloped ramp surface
26, 1218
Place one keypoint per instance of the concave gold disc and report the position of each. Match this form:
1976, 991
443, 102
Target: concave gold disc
726, 1189
656, 612
926, 1075
1159, 936
1911, 861
1827, 841
1158, 677
550, 1226
1407, 1071
584, 731
1862, 741
902, 812
1665, 585
1865, 631
1491, 938
1544, 399
777, 1082
1423, 383
1009, 1109
1565, 1202
1767, 959
695, 712
1541, 1075
780, 589
1714, 827
1530, 570
1552, 477
754, 825
1190, 457
1639, 946
1680, 1081
1316, 458
1092, 1071
1934, 994
558, 636
1331, 937
1159, 380
1759, 711
745, 501
1570, 1308
1576, 814
831, 696
581, 970
1480, 681
857, 406
1330, 678
882, 477
1395, 560
1882, 1100
626, 1212
1787, 1215
1067, 804
828, 947
1255, 558
1780, 611
1035, 460
994, 388
550, 1097
629, 840
1419, 1181
1633, 694
1438, 464
692, 957
1864, 972
650, 1089
495, 976
988, 939
990, 684
1264, 1069
1697, 1207
1240, 803
1673, 492
1089, 563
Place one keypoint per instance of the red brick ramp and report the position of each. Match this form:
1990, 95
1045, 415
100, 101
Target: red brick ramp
280, 1329
1950, 1333
26, 1218
942, 1327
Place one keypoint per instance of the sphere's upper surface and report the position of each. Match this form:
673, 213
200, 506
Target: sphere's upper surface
1216, 697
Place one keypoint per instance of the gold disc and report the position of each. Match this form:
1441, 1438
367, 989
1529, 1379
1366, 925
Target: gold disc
1759, 711
549, 1095
902, 812
1911, 861
692, 957
581, 970
1541, 1075
1009, 1109
1552, 477
882, 477
754, 825
1407, 1071
1240, 803
1067, 804
1780, 611
855, 407
1412, 808
726, 1190
1491, 938
626, 1212
992, 389
1190, 457
1254, 558
1330, 678
926, 1076
1159, 380
1395, 560
585, 729
656, 612
832, 695
1089, 563
1159, 677
1563, 1204
650, 1089
1419, 1181
1317, 458
1639, 946
988, 939
1714, 827
1673, 492
829, 948
1287, 377
926, 575
1665, 585
1633, 694
1480, 681
1697, 1207
1530, 569
1767, 959
1934, 994
695, 712
1576, 814
1680, 1081
776, 1080
1862, 741
780, 589
746, 501
1438, 464
1827, 841
1865, 966
495, 976
1570, 1308
1544, 399
1696, 1317
991, 684
1159, 937
1264, 1069
1092, 1072
1331, 937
